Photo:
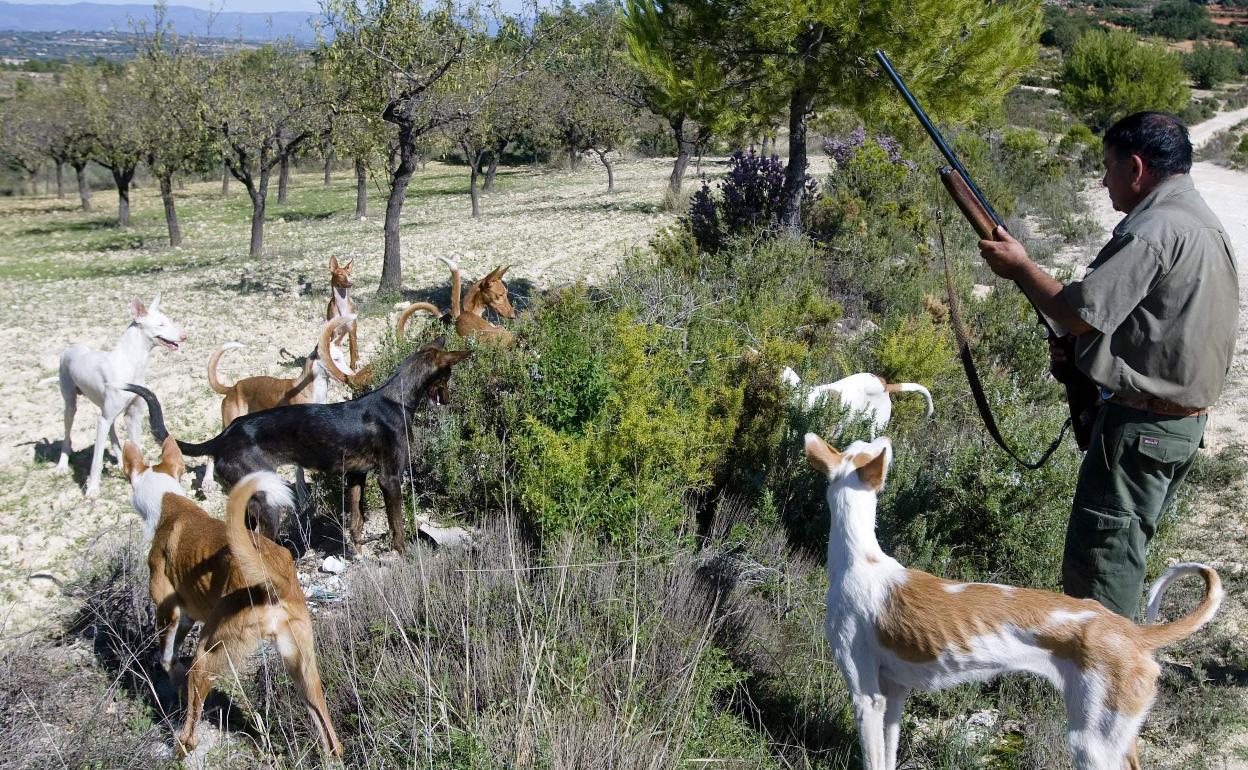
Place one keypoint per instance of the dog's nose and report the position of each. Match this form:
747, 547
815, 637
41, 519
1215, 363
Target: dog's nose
182, 338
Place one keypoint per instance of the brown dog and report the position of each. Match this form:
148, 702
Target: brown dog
251, 394
340, 303
469, 315
239, 584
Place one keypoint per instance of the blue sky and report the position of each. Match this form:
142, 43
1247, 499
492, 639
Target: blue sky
262, 6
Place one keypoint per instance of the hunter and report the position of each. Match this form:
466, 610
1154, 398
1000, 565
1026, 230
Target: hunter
1154, 320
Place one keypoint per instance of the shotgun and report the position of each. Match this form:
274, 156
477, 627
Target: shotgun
1081, 392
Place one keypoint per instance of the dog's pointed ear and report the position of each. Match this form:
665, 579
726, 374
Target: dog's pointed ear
171, 461
132, 463
448, 358
347, 266
872, 467
821, 457
496, 274
333, 262
137, 309
437, 343
152, 308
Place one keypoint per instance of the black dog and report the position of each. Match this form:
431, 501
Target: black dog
369, 433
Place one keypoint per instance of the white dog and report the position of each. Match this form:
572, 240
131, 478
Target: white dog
894, 629
863, 393
99, 377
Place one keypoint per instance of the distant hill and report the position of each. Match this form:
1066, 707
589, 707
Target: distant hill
88, 17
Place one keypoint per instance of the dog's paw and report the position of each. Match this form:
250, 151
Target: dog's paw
92, 491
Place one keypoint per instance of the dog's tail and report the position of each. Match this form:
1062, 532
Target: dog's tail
46, 381
1156, 636
247, 556
401, 324
155, 415
912, 387
453, 266
328, 331
213, 382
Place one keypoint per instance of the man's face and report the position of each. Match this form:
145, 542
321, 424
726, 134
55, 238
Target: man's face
1125, 179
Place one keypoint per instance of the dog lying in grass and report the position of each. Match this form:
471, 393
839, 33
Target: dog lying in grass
352, 438
240, 585
894, 629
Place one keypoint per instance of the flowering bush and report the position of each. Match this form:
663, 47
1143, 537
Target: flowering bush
750, 199
843, 149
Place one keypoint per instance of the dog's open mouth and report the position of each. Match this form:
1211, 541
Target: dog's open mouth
171, 344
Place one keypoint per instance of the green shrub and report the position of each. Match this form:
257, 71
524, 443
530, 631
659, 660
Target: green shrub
1180, 20
1083, 146
1064, 27
1111, 74
1211, 65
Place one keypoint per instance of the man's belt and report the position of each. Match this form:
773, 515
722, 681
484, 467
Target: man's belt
1158, 406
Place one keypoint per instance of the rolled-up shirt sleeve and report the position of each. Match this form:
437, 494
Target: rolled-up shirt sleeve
1122, 275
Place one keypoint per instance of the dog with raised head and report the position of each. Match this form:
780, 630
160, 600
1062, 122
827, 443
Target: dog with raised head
252, 394
894, 629
100, 376
351, 438
340, 304
240, 585
468, 315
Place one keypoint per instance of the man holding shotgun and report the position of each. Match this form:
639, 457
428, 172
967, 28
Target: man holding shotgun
1154, 321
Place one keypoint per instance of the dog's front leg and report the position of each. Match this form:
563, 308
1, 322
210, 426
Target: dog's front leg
102, 429
355, 351
355, 507
392, 492
862, 676
895, 701
69, 393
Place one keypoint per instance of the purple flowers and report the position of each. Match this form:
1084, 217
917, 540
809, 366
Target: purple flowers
843, 149
751, 197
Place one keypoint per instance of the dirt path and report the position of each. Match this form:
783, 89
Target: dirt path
1203, 132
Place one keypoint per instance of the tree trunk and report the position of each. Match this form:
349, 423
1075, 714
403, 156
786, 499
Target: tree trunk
391, 261
684, 150
171, 213
697, 168
361, 189
84, 191
488, 185
572, 159
602, 156
258, 199
283, 179
122, 180
225, 179
800, 102
60, 179
329, 167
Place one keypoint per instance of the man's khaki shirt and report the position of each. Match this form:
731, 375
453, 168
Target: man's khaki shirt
1162, 298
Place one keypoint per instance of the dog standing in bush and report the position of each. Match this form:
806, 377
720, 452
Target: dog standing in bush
239, 584
1155, 319
894, 629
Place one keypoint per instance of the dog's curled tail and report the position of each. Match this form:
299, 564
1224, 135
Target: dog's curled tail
401, 324
913, 387
155, 415
246, 552
1156, 636
213, 382
328, 331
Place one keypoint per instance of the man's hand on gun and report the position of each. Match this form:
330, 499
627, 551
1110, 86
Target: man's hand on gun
1005, 256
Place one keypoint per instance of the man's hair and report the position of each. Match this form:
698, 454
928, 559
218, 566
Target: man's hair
1157, 137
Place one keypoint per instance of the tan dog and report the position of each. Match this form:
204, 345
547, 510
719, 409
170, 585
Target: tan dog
340, 303
239, 584
469, 315
893, 629
251, 394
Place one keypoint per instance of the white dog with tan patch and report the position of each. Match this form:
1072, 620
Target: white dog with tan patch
894, 629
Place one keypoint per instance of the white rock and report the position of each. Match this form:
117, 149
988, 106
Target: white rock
333, 565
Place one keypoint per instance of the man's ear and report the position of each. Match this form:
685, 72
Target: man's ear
821, 457
132, 463
137, 309
1139, 170
873, 468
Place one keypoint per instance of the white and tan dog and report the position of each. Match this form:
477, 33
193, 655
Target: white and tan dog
864, 393
894, 629
99, 376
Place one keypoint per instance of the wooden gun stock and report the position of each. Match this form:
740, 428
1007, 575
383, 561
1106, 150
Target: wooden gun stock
968, 203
